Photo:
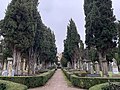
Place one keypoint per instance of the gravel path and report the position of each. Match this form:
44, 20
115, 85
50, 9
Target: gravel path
57, 82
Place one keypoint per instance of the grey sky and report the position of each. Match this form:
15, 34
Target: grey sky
57, 13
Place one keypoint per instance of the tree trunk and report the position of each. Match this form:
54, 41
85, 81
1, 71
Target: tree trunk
14, 59
19, 63
100, 60
103, 64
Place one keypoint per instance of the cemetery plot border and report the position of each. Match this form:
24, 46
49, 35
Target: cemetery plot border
31, 81
87, 82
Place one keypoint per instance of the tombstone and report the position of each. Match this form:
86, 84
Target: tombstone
4, 72
110, 66
97, 68
9, 66
91, 68
85, 66
69, 65
23, 65
80, 64
75, 65
115, 68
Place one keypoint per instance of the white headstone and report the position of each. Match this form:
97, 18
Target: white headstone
115, 68
9, 68
97, 67
91, 68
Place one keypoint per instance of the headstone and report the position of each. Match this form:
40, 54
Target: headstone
68, 64
91, 68
85, 66
4, 72
97, 68
75, 65
115, 68
9, 66
110, 66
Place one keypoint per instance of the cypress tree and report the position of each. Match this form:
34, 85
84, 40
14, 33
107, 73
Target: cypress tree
102, 29
71, 44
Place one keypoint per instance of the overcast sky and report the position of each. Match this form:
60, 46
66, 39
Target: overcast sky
57, 13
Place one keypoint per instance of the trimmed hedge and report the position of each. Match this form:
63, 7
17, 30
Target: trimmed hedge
107, 86
31, 81
87, 82
7, 85
99, 86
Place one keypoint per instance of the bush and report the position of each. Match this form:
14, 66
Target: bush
99, 86
7, 85
31, 81
81, 73
87, 82
106, 86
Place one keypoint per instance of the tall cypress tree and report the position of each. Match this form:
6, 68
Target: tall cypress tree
71, 44
103, 29
19, 27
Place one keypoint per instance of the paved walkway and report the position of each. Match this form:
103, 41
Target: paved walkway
57, 82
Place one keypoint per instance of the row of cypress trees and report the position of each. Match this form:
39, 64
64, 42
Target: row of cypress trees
26, 36
101, 33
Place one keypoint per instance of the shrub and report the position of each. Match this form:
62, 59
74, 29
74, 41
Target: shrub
31, 81
81, 73
99, 86
106, 86
7, 85
87, 82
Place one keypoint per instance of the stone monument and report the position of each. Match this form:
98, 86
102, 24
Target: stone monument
91, 68
114, 67
10, 66
97, 68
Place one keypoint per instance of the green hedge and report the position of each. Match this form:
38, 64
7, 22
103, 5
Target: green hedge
99, 86
7, 85
87, 82
31, 81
